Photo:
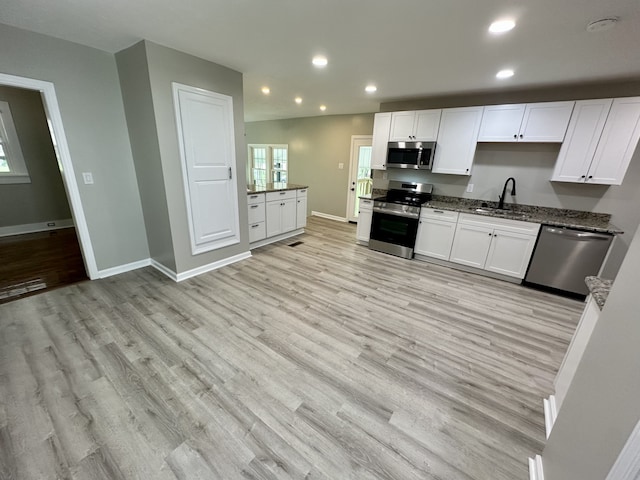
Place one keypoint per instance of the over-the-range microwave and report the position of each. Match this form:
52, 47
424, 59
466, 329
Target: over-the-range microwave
417, 155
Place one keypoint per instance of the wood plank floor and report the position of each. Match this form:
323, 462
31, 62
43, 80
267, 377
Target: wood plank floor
320, 361
35, 262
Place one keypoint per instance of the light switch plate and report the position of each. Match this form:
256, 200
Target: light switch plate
88, 178
340, 166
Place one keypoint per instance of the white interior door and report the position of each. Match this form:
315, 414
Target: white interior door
207, 148
360, 181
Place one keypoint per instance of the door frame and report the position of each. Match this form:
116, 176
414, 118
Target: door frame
356, 142
65, 165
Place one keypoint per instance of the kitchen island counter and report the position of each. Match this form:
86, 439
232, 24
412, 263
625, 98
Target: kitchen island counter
274, 187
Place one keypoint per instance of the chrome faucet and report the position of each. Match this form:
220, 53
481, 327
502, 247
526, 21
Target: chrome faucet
504, 191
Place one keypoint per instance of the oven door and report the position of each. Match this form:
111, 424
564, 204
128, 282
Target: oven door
393, 233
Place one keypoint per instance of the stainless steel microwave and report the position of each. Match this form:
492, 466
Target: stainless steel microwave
417, 155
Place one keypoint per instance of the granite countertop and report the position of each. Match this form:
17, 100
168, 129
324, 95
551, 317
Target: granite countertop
599, 289
273, 187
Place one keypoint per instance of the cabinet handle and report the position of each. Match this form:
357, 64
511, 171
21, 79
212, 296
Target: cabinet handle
583, 176
253, 196
282, 193
590, 176
521, 136
438, 211
515, 136
254, 206
255, 226
490, 233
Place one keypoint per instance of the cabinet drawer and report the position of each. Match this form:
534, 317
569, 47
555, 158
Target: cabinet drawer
438, 214
301, 193
257, 231
284, 195
255, 198
366, 205
256, 213
506, 224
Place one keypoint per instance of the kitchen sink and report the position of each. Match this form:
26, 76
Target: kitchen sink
498, 212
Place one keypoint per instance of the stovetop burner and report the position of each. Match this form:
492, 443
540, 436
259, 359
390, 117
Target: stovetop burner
413, 194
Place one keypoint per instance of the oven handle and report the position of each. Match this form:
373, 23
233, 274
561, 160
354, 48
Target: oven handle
397, 214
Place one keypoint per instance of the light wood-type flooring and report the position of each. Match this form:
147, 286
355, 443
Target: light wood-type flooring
319, 361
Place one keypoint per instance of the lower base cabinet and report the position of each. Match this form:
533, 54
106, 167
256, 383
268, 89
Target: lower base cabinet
498, 245
301, 208
365, 216
436, 231
281, 216
273, 214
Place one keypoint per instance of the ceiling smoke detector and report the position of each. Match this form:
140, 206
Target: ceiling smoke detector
602, 24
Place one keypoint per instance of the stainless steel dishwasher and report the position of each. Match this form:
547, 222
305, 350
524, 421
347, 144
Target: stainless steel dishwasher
563, 257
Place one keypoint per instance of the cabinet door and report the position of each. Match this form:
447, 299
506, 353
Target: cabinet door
471, 245
545, 122
501, 123
426, 126
364, 225
274, 224
381, 130
301, 212
457, 140
580, 143
617, 143
257, 232
402, 126
288, 217
510, 253
435, 238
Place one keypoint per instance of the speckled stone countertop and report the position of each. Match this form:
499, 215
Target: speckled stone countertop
599, 289
273, 187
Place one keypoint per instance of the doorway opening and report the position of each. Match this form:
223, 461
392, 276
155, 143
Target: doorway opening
360, 181
44, 241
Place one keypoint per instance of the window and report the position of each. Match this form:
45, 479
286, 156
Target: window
12, 166
268, 163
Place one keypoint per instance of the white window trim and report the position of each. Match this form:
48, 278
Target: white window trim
269, 160
18, 168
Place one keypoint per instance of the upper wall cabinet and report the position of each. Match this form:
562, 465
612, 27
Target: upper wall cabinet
381, 129
601, 139
415, 126
457, 140
532, 122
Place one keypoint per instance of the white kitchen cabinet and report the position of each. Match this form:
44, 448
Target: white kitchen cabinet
498, 245
532, 122
280, 212
415, 126
301, 208
381, 130
365, 215
457, 140
611, 146
435, 233
257, 215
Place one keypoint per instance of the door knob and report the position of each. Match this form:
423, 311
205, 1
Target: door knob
353, 189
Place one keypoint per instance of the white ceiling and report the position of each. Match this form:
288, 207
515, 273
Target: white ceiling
408, 48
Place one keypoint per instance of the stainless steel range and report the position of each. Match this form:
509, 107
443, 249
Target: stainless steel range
395, 218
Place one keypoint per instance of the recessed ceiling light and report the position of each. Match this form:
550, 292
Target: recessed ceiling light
602, 24
266, 90
298, 100
370, 88
502, 26
504, 74
320, 61
323, 107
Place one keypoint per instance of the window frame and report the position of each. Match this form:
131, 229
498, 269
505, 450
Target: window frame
18, 172
270, 168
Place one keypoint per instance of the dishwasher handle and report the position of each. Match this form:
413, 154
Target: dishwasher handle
577, 234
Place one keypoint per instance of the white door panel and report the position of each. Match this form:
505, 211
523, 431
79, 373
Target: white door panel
206, 137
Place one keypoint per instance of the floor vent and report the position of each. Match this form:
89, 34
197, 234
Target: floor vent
295, 244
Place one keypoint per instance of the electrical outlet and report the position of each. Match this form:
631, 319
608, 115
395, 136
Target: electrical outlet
340, 166
385, 175
470, 188
88, 178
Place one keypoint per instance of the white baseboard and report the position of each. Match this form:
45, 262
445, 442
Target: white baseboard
329, 217
627, 465
179, 277
35, 227
550, 413
109, 272
277, 238
535, 468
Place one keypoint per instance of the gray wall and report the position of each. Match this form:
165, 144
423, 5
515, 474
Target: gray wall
601, 407
44, 199
167, 66
532, 164
136, 93
316, 146
88, 92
